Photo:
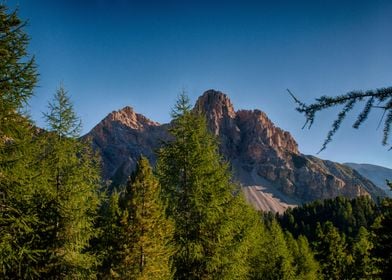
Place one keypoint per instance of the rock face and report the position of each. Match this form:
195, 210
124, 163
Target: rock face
121, 138
265, 159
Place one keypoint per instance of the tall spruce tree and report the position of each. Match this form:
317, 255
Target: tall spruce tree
331, 252
363, 266
382, 228
146, 233
18, 174
71, 194
273, 259
212, 220
18, 74
304, 263
107, 244
21, 182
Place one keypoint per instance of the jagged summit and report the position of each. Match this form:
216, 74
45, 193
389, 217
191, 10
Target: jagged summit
129, 118
218, 109
216, 104
224, 121
121, 137
265, 159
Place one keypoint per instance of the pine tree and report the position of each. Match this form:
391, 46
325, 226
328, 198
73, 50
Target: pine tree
72, 193
146, 233
363, 264
212, 220
258, 257
331, 252
19, 177
108, 242
21, 249
274, 260
17, 73
61, 118
304, 263
382, 228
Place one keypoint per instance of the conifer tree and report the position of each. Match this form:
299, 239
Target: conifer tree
146, 233
17, 73
212, 220
18, 174
363, 263
382, 228
73, 182
21, 249
304, 263
258, 257
331, 252
274, 260
108, 242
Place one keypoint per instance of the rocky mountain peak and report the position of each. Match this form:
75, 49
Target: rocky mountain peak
217, 107
216, 103
121, 137
264, 158
129, 118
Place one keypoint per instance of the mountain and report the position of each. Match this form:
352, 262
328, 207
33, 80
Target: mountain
376, 174
121, 137
265, 159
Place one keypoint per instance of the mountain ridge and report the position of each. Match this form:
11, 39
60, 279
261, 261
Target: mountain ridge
375, 173
265, 159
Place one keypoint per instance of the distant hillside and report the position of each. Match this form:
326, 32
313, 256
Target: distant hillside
376, 174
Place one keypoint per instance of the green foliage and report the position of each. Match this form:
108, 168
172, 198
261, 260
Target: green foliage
304, 263
18, 241
352, 229
107, 243
61, 117
20, 187
137, 236
331, 252
279, 256
382, 228
71, 194
363, 262
17, 70
49, 183
363, 250
382, 96
148, 233
212, 220
49, 199
273, 259
348, 215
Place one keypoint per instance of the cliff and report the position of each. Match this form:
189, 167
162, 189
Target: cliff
265, 159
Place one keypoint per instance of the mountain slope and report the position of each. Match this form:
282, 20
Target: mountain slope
265, 159
121, 137
377, 174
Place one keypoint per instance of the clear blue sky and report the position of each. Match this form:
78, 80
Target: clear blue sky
113, 53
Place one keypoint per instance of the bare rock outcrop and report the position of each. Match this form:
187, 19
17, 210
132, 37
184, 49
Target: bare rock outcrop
121, 138
265, 159
250, 140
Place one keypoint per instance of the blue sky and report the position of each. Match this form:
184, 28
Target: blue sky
113, 53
